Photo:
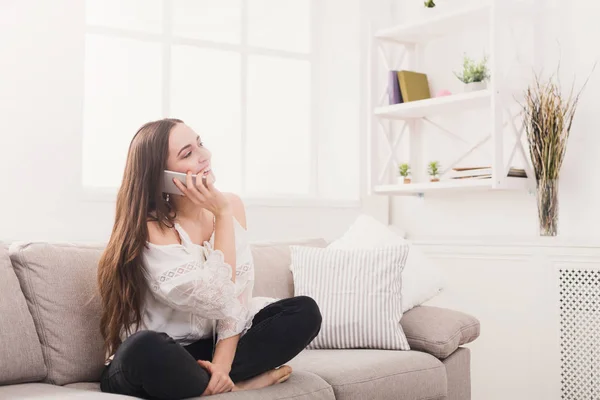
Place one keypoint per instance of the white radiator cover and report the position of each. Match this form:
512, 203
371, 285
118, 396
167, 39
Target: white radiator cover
579, 297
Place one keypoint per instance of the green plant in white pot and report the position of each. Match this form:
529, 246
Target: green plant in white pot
429, 3
433, 169
404, 172
474, 74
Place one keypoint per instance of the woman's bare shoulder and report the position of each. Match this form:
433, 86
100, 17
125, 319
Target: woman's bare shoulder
163, 236
237, 205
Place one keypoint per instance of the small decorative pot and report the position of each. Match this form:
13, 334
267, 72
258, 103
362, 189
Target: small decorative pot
475, 86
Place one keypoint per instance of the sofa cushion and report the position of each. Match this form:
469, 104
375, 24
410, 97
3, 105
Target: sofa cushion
21, 357
59, 282
45, 391
438, 331
377, 374
92, 386
302, 385
272, 260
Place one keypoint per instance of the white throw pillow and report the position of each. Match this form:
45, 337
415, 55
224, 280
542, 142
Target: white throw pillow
367, 233
421, 279
359, 293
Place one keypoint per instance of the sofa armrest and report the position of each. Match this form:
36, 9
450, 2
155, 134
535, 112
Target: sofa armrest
438, 331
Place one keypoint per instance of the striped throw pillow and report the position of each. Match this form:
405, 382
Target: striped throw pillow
358, 292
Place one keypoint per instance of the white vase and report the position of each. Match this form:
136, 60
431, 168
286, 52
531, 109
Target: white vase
475, 86
400, 180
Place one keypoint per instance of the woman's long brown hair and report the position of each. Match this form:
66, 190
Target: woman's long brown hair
121, 280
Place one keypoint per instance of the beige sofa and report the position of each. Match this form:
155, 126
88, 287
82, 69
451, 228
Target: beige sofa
50, 346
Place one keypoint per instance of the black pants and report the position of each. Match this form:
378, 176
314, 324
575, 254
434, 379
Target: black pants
152, 365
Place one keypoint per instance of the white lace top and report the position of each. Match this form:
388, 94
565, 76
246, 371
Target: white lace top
191, 294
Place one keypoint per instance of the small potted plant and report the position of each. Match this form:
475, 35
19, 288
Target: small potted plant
474, 74
404, 171
433, 169
431, 8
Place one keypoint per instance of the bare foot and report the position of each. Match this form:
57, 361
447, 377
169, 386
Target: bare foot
268, 378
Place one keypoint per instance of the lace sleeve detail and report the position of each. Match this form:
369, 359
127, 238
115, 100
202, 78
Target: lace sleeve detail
229, 327
244, 283
202, 288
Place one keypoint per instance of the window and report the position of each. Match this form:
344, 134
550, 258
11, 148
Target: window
241, 73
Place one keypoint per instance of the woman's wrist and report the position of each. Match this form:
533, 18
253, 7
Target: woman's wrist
225, 352
223, 365
222, 360
224, 212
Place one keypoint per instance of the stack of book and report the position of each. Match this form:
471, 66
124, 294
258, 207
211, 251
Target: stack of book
405, 86
483, 173
517, 173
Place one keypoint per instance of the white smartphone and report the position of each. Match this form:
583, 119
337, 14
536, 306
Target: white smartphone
168, 186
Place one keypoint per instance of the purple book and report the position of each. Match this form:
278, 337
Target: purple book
394, 95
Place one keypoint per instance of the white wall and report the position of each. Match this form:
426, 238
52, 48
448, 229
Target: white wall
41, 87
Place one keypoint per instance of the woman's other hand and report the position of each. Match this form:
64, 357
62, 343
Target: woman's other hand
220, 382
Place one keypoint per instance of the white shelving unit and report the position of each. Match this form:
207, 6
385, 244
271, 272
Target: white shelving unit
435, 106
422, 188
409, 40
435, 27
446, 186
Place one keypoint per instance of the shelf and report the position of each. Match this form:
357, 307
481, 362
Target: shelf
402, 47
437, 105
436, 26
412, 189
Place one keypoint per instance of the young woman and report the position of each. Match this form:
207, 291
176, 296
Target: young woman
176, 279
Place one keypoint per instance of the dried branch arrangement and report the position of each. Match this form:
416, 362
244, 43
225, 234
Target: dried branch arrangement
548, 119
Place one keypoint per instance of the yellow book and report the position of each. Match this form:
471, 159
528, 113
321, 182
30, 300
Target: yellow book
413, 85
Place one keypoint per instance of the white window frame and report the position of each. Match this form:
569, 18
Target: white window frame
313, 198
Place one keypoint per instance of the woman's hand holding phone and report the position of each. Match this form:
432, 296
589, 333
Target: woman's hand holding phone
204, 194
